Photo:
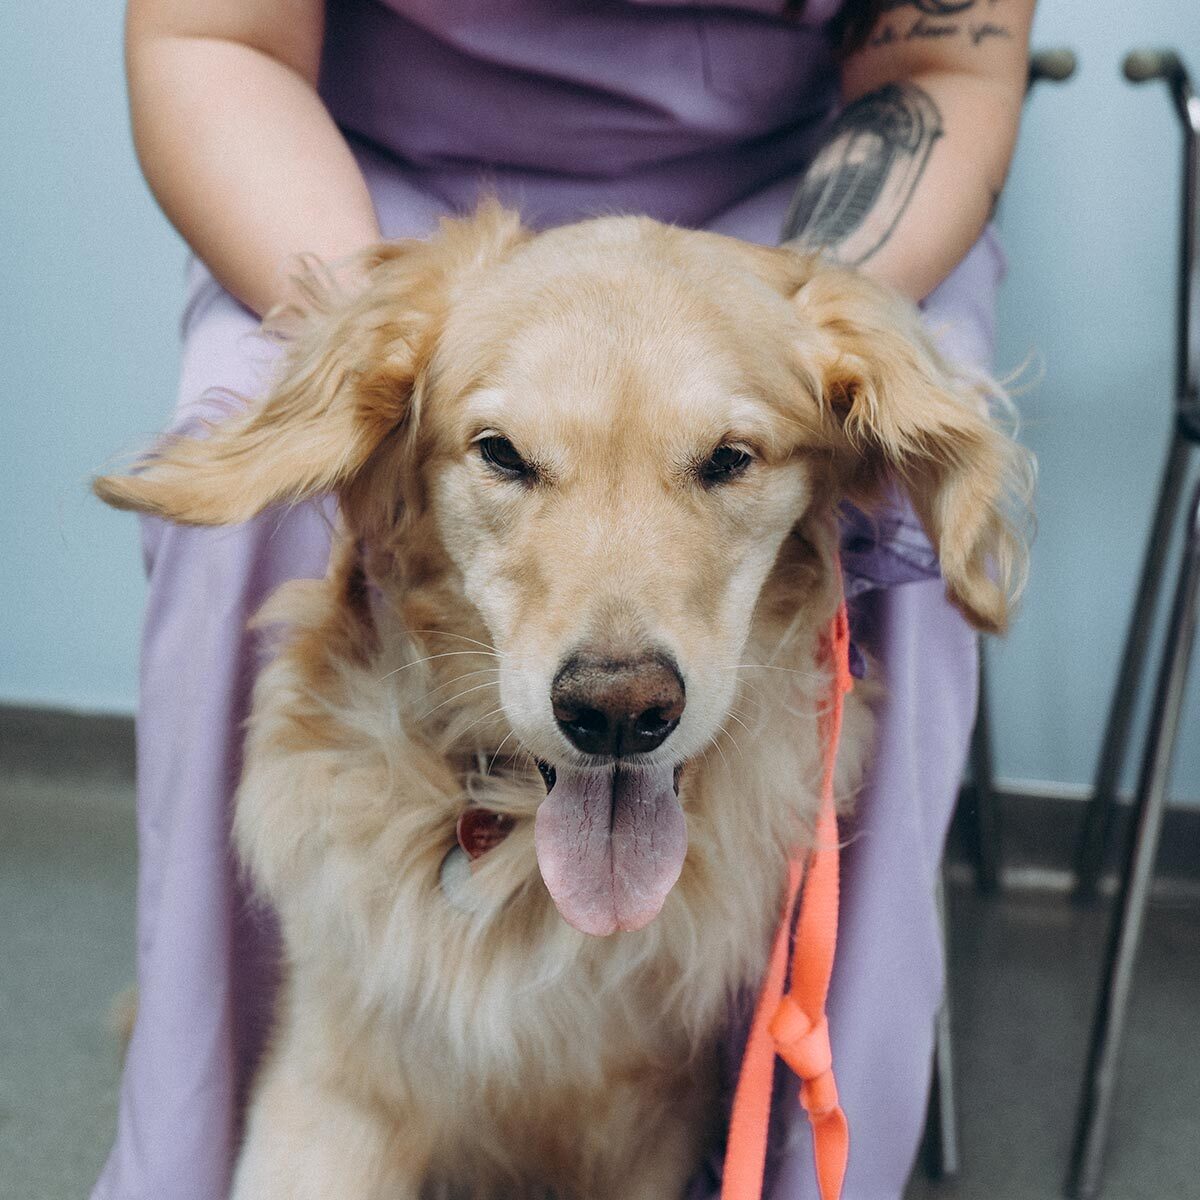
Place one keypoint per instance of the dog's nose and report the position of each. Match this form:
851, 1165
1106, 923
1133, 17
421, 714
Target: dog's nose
617, 708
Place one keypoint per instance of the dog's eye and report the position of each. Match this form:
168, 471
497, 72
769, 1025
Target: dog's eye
500, 454
723, 464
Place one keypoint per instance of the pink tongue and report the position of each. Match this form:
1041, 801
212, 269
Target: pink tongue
610, 846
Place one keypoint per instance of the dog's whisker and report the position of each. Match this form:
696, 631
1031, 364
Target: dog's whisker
430, 657
520, 712
451, 699
479, 721
496, 752
716, 745
724, 756
734, 742
734, 717
459, 636
494, 671
770, 667
737, 710
743, 705
752, 686
759, 698
527, 753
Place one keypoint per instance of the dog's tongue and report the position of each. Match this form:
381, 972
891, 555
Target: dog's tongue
610, 846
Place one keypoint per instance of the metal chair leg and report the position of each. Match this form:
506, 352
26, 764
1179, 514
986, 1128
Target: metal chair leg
1095, 1111
941, 1144
983, 816
1098, 814
942, 1158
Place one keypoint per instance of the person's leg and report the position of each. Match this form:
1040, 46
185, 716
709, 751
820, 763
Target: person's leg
206, 952
888, 976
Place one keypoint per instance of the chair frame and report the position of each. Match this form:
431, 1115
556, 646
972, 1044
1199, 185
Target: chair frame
1094, 1118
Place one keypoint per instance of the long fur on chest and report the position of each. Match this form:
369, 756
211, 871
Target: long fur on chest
360, 758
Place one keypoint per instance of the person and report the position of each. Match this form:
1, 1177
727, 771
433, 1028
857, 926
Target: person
880, 129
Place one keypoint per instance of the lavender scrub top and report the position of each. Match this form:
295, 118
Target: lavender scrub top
569, 107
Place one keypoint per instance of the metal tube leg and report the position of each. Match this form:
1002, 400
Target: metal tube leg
984, 826
1097, 819
1095, 1111
942, 1158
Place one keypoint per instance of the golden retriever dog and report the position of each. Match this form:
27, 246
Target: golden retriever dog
523, 776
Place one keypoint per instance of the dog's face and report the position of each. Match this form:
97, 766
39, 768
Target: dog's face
613, 473
609, 430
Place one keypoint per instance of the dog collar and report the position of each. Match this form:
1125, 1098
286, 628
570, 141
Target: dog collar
477, 831
480, 829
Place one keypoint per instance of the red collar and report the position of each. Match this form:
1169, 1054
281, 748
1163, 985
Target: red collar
480, 830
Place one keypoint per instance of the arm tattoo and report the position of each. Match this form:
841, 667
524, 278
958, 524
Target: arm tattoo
931, 8
935, 21
857, 187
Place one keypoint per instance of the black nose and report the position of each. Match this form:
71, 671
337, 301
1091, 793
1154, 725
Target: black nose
617, 708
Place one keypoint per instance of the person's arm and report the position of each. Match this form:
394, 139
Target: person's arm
234, 141
913, 167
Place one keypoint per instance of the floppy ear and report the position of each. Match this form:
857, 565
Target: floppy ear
899, 412
345, 383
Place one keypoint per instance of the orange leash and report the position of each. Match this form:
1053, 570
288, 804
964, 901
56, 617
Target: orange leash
794, 1025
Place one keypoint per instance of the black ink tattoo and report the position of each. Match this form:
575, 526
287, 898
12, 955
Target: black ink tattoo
986, 29
857, 187
931, 8
923, 30
936, 21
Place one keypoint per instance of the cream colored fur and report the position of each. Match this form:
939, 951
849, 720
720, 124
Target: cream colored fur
422, 1050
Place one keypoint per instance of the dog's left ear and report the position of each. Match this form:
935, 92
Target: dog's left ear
897, 411
347, 380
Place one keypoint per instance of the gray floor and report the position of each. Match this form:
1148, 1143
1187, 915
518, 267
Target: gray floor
1024, 970
66, 950
1024, 976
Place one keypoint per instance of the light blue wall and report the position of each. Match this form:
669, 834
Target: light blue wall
1090, 222
91, 278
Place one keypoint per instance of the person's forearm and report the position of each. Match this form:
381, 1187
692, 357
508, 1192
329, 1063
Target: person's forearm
245, 160
911, 170
907, 180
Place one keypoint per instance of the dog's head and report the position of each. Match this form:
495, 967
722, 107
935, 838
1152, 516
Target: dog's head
616, 438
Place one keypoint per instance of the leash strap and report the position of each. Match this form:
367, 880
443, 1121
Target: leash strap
793, 1025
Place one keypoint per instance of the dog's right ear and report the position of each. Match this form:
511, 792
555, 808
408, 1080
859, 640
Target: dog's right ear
346, 382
